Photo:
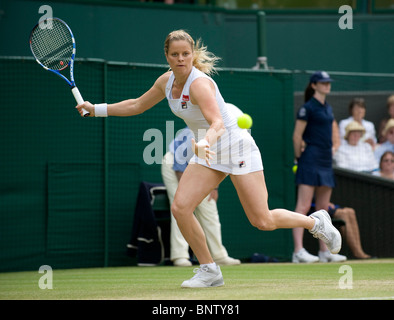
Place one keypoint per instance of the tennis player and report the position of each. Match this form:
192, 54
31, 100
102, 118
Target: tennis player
222, 149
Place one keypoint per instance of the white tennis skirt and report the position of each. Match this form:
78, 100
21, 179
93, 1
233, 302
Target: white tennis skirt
236, 153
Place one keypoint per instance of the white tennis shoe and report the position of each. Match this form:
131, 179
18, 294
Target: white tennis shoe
325, 231
227, 261
182, 262
304, 256
205, 277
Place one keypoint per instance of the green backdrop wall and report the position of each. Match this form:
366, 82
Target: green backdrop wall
68, 185
131, 31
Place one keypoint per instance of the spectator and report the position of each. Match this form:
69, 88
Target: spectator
357, 110
386, 166
174, 164
388, 145
354, 154
390, 111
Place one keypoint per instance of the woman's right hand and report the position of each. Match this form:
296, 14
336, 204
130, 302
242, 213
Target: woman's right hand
87, 106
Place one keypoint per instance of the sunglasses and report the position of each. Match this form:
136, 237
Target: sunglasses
388, 160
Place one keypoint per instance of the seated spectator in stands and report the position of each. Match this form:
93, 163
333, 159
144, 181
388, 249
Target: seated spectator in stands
390, 111
357, 110
388, 145
354, 154
386, 166
350, 230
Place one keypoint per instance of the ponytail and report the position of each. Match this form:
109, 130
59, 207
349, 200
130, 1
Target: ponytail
309, 92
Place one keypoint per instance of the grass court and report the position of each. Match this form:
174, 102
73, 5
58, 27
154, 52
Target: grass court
370, 280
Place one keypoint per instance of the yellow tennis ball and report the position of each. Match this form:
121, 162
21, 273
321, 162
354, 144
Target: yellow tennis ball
245, 121
295, 167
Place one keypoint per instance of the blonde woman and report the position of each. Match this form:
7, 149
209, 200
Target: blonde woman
195, 97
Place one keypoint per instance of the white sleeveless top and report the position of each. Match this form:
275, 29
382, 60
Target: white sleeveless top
236, 151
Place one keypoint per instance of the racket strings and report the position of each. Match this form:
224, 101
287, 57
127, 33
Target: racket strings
52, 45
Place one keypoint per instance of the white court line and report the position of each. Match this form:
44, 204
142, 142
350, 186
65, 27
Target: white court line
364, 298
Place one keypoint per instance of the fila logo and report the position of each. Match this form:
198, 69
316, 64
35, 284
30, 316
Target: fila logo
242, 164
184, 105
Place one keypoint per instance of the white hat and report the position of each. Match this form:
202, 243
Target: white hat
354, 126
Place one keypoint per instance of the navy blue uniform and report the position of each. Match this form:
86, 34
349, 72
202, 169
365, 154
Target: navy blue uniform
315, 163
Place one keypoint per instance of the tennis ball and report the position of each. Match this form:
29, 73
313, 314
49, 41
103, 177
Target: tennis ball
245, 121
295, 167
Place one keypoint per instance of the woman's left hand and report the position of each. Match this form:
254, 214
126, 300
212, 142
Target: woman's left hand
201, 149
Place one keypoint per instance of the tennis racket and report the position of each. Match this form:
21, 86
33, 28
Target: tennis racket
53, 46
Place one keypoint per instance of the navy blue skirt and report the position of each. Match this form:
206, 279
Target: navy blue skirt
315, 168
315, 176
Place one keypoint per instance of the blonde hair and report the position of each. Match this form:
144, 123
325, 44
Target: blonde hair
203, 60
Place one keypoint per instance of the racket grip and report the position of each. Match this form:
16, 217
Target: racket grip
79, 99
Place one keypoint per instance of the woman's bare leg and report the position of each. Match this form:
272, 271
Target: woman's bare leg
196, 183
252, 192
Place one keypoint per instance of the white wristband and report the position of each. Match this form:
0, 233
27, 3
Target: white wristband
203, 142
100, 110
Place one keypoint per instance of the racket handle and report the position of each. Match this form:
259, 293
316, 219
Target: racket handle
79, 99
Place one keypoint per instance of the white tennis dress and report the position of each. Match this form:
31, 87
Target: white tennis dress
236, 150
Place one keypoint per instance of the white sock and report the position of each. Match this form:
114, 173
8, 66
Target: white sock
317, 220
209, 265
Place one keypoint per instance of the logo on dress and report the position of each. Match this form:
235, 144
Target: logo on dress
185, 98
302, 112
242, 164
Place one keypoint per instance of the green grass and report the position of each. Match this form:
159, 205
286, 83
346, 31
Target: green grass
371, 279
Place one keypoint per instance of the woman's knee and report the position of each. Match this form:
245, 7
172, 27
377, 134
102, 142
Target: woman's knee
350, 211
175, 209
349, 214
180, 209
303, 208
264, 223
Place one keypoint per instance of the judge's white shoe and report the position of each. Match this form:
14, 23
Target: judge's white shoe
227, 261
304, 256
182, 262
